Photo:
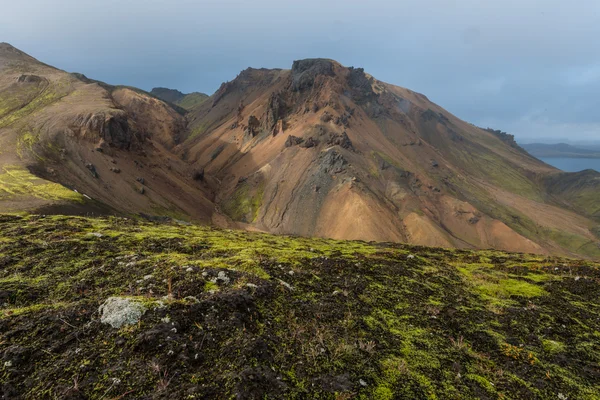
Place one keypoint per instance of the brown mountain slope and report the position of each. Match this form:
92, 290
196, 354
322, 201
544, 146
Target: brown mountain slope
106, 144
318, 150
325, 150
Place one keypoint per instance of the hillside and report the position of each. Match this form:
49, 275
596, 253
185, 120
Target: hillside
560, 150
186, 101
72, 144
320, 150
226, 313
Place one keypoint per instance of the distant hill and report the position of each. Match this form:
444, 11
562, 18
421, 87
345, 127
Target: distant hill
560, 150
187, 101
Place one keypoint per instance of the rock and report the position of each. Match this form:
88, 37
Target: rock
199, 175
341, 140
278, 128
121, 311
293, 141
434, 164
253, 124
473, 220
276, 110
115, 170
26, 78
142, 190
326, 117
333, 162
310, 142
92, 169
343, 119
314, 108
304, 72
140, 180
113, 128
222, 277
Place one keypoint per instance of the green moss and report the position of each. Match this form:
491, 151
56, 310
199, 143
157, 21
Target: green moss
192, 100
496, 286
307, 318
244, 203
553, 346
17, 182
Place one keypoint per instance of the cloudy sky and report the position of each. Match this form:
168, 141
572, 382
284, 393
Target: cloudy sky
529, 67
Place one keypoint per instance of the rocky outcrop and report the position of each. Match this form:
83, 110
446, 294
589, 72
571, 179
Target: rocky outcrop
293, 141
304, 72
341, 140
332, 163
112, 128
359, 83
253, 125
29, 79
310, 142
276, 109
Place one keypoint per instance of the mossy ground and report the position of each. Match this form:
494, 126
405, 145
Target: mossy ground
17, 182
296, 318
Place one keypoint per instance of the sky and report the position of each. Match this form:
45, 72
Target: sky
527, 67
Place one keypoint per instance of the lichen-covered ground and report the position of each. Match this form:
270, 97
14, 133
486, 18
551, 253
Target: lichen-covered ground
231, 314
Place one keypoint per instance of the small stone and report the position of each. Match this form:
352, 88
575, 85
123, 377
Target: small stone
362, 383
8, 364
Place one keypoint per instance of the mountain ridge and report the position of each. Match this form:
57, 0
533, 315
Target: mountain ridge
316, 150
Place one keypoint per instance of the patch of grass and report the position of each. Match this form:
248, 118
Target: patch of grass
497, 286
553, 346
192, 100
18, 182
245, 202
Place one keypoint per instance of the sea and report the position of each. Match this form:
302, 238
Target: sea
572, 164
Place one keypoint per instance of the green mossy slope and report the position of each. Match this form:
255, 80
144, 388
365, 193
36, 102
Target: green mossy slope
233, 314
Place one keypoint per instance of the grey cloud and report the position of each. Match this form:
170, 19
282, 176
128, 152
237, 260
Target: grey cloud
528, 67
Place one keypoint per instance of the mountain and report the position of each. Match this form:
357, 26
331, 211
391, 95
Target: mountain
560, 150
318, 150
119, 308
187, 101
72, 144
326, 150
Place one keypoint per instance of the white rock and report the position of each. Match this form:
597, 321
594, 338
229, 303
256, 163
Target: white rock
362, 383
120, 311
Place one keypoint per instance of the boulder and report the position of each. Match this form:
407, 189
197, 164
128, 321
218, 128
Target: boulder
92, 169
310, 142
121, 311
293, 141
